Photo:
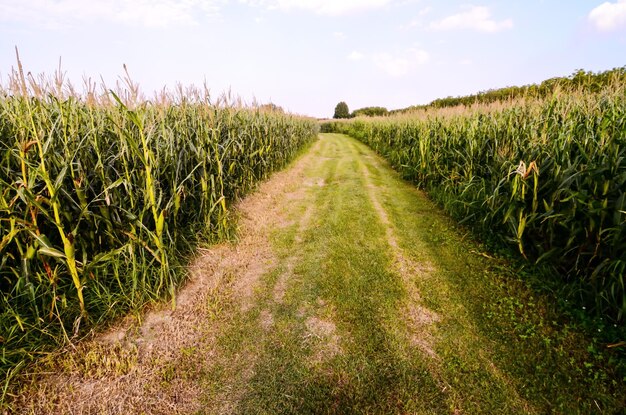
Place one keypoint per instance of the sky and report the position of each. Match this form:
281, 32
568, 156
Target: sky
308, 55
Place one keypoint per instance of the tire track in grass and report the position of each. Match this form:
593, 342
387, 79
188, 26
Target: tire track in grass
421, 319
390, 192
281, 284
247, 341
330, 351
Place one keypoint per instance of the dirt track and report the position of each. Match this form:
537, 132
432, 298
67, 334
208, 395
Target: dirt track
346, 292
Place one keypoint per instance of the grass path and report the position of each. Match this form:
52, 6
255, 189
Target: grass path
348, 292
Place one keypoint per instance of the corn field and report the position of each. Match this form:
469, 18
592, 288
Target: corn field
547, 176
102, 192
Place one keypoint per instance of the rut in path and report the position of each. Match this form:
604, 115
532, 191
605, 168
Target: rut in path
408, 269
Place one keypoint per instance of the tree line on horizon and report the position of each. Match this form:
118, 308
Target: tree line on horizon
587, 81
342, 111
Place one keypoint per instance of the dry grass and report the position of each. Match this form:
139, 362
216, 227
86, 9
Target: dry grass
326, 343
419, 320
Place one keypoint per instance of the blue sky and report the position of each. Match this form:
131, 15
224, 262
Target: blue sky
308, 55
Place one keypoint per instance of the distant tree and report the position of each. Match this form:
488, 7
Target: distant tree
342, 111
370, 112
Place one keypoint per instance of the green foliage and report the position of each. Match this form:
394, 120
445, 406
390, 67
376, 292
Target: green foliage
583, 81
100, 197
342, 111
547, 176
369, 112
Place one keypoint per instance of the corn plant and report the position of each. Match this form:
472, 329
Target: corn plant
103, 193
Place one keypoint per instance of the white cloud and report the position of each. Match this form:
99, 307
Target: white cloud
425, 11
393, 64
413, 23
328, 7
609, 16
356, 56
148, 13
474, 18
418, 21
339, 35
398, 65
